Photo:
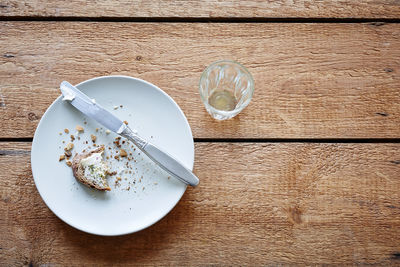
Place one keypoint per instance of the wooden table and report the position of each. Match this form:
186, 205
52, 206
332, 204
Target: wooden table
308, 173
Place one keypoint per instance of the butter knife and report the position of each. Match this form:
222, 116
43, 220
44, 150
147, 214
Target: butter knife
93, 110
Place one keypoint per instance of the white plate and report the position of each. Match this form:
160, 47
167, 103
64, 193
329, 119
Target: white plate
137, 202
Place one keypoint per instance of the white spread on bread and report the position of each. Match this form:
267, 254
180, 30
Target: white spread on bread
95, 169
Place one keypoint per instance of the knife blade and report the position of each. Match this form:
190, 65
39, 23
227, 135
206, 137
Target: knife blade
89, 107
93, 110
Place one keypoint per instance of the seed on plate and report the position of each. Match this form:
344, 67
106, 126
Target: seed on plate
108, 131
121, 106
97, 129
68, 154
72, 137
115, 107
60, 133
66, 130
69, 163
93, 137
117, 143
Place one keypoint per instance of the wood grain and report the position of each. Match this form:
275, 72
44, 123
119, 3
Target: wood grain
311, 80
203, 9
275, 204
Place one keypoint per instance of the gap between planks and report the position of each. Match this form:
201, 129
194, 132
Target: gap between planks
266, 140
374, 21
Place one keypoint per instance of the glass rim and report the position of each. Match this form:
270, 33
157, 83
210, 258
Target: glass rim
241, 107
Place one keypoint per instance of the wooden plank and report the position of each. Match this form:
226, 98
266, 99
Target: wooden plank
275, 204
312, 80
203, 9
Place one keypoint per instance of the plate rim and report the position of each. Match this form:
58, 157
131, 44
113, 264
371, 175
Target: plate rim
133, 230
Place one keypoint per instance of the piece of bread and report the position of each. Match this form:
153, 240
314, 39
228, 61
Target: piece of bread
79, 171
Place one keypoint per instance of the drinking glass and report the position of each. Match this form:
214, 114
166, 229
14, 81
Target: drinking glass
226, 88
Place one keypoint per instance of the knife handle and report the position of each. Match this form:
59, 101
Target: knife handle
170, 164
161, 158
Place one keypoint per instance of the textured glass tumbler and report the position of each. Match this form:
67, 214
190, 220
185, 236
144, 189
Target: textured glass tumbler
226, 88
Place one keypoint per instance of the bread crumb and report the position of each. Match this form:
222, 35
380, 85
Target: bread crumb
72, 137
116, 157
117, 143
126, 122
62, 157
68, 154
107, 157
108, 131
97, 129
123, 153
66, 130
155, 183
79, 128
68, 163
60, 133
69, 147
93, 137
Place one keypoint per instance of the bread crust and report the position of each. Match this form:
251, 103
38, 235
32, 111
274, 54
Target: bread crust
79, 171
